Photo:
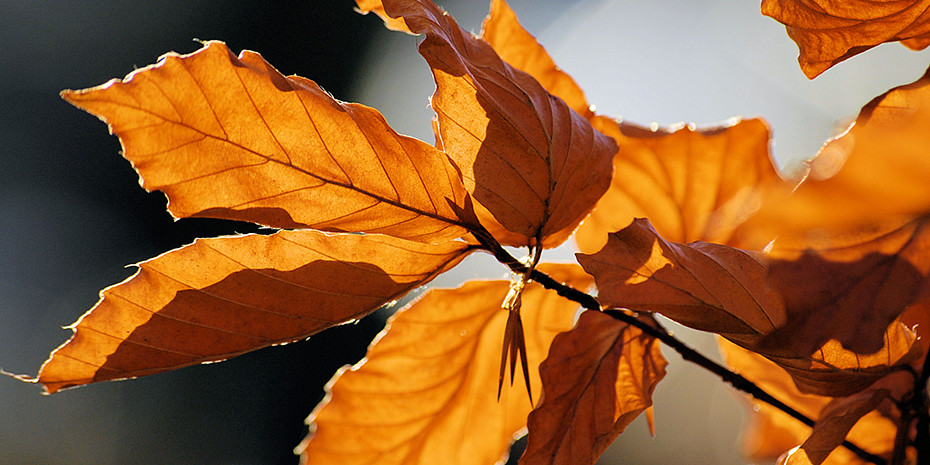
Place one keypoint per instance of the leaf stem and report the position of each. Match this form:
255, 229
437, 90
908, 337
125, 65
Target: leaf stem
589, 302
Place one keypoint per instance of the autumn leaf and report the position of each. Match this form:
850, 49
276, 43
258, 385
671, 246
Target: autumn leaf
720, 289
535, 165
221, 297
693, 184
597, 379
427, 391
828, 32
839, 416
772, 432
515, 45
853, 247
710, 287
230, 137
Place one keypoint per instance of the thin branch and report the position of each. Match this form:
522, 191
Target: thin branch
687, 353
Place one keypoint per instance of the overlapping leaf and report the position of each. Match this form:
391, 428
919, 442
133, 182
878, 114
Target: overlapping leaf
692, 184
221, 297
230, 137
597, 379
428, 390
515, 45
772, 432
830, 31
706, 286
712, 287
852, 249
534, 164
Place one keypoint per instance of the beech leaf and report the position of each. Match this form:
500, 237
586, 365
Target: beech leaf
772, 432
534, 164
515, 45
230, 137
597, 379
839, 416
221, 297
830, 31
427, 392
710, 287
852, 247
693, 184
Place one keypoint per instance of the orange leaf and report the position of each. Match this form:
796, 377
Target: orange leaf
537, 166
834, 371
851, 252
232, 138
706, 286
519, 48
839, 416
221, 297
772, 432
851, 293
597, 379
692, 184
829, 31
427, 392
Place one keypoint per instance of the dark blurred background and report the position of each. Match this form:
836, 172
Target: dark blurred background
72, 214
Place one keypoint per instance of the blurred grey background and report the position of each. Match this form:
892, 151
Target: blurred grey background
72, 214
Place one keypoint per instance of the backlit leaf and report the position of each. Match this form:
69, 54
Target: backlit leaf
692, 184
597, 379
427, 392
519, 48
772, 432
706, 286
221, 297
534, 164
230, 137
830, 31
853, 250
839, 415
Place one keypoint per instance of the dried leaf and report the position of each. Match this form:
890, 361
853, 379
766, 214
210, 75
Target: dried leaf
851, 293
221, 297
597, 379
232, 138
852, 249
706, 286
839, 416
692, 184
534, 164
771, 432
426, 393
830, 31
515, 45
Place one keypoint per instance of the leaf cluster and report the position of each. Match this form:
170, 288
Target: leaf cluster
814, 286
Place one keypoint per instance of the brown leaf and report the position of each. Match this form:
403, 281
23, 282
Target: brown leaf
851, 293
519, 48
828, 31
534, 164
692, 184
851, 252
839, 416
597, 379
221, 297
834, 371
426, 393
706, 286
771, 432
232, 138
